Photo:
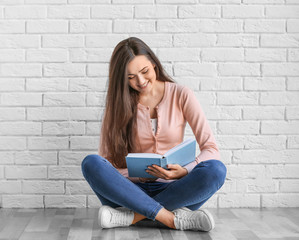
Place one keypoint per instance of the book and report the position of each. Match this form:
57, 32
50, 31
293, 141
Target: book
181, 154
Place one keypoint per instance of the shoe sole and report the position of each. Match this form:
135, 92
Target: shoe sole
210, 217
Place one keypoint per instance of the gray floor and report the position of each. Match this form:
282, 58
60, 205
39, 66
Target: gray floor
249, 223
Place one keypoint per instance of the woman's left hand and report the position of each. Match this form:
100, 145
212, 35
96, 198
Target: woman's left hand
176, 171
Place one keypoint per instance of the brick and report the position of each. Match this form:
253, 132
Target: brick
7, 157
46, 84
158, 11
64, 70
100, 70
88, 1
279, 98
25, 172
177, 25
12, 84
92, 128
173, 1
113, 11
73, 157
46, 113
283, 170
36, 157
21, 99
78, 187
64, 99
43, 187
292, 113
289, 185
21, 70
280, 40
239, 200
234, 127
12, 26
280, 127
12, 114
271, 143
223, 112
178, 54
293, 83
239, 69
87, 84
292, 25
264, 1
19, 41
62, 41
96, 99
263, 112
280, 69
47, 26
93, 200
264, 83
238, 40
241, 171
12, 143
255, 186
46, 55
220, 25
1, 172
46, 1
65, 172
230, 141
199, 11
195, 69
245, 11
25, 12
222, 54
191, 82
105, 40
265, 55
293, 142
90, 26
90, 55
282, 11
45, 142
68, 12
194, 40
86, 113
293, 55
20, 128
63, 128
22, 201
237, 98
134, 26
63, 201
84, 142
10, 55
264, 26
10, 187
280, 200
265, 156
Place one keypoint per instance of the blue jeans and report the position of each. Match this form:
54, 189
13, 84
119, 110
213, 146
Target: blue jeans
115, 190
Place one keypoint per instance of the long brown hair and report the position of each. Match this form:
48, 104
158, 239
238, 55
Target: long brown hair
119, 125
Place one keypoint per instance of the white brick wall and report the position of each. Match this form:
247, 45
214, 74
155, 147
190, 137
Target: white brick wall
241, 57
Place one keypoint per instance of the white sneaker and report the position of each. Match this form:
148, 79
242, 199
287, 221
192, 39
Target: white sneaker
115, 217
198, 220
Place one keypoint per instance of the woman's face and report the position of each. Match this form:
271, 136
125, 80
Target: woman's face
141, 74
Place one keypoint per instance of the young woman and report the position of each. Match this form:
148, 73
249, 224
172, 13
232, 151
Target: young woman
146, 111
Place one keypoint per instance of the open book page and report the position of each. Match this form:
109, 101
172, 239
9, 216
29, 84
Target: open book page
144, 155
179, 146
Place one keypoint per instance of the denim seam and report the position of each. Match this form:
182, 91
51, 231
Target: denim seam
154, 213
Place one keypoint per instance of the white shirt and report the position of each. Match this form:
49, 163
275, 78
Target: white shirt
154, 125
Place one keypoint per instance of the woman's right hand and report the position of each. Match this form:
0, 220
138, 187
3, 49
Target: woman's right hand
147, 179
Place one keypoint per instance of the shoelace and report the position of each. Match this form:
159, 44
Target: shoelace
188, 222
120, 217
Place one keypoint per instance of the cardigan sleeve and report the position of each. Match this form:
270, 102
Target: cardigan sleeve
197, 120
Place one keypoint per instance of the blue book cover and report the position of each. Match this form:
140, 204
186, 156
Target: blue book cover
181, 154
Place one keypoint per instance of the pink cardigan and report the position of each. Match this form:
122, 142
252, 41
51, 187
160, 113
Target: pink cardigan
178, 106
